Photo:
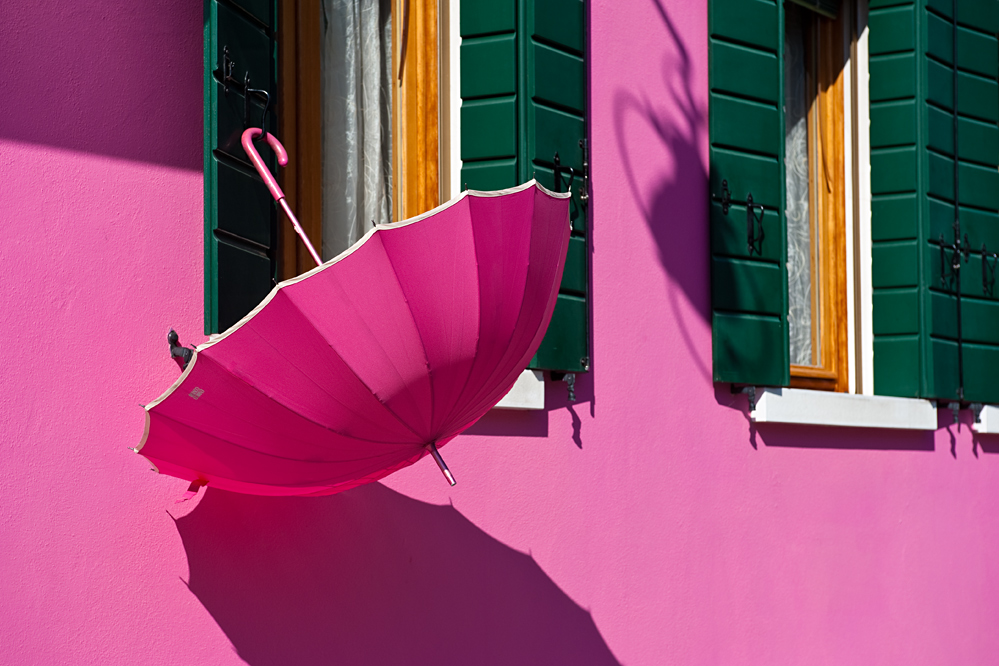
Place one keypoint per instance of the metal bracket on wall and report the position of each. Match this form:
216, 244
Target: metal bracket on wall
750, 392
976, 409
754, 217
570, 382
247, 93
182, 355
955, 410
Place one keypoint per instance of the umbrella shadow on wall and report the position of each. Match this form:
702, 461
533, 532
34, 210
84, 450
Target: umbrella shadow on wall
371, 576
676, 207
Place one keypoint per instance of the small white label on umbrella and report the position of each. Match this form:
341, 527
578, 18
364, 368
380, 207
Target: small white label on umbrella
197, 392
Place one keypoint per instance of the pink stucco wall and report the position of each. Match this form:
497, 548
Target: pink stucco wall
647, 524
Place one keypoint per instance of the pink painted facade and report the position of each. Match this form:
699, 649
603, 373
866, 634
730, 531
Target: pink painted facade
646, 524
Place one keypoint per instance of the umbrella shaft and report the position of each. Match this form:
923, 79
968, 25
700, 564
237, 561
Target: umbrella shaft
299, 230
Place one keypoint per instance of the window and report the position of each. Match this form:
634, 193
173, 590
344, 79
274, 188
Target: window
363, 107
355, 84
814, 207
838, 257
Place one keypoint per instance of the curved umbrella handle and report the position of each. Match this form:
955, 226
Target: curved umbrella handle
282, 156
272, 184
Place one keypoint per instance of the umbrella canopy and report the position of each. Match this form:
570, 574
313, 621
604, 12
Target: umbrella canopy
368, 362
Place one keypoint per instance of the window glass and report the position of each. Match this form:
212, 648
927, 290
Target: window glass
802, 236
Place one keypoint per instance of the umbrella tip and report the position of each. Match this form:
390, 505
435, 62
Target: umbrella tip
440, 463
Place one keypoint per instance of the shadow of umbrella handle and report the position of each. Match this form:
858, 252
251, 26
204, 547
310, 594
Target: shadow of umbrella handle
282, 156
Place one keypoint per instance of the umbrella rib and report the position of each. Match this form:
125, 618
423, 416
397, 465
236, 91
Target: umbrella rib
465, 410
478, 323
358, 377
302, 416
330, 395
419, 334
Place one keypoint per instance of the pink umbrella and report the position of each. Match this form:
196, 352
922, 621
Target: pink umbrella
370, 361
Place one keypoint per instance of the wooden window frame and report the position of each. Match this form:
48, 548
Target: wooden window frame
828, 198
416, 106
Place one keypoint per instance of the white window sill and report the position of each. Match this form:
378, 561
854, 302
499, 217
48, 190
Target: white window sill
776, 405
989, 424
529, 392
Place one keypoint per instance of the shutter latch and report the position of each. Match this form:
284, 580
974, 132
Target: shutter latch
754, 217
584, 175
950, 270
990, 260
754, 222
228, 64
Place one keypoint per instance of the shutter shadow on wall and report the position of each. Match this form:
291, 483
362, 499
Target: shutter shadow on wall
240, 217
523, 92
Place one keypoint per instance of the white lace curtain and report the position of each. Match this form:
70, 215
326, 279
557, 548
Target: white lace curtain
797, 98
357, 112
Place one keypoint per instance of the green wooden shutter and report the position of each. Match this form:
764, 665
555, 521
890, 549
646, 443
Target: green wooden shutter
916, 341
240, 217
748, 279
523, 91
